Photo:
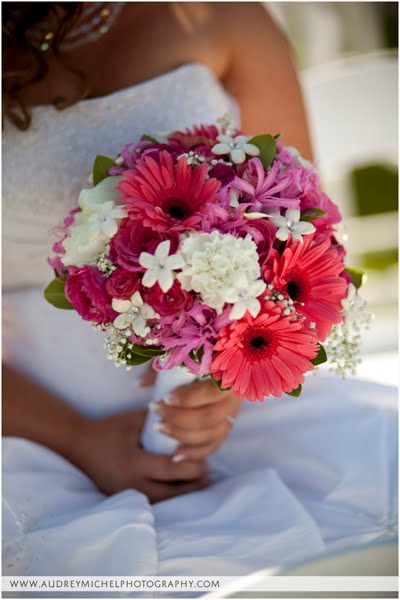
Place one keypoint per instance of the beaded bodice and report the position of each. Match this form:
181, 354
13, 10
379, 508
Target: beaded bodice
45, 167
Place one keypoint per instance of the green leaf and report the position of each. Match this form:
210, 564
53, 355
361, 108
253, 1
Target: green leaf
267, 146
296, 393
148, 138
54, 294
146, 351
136, 359
277, 136
321, 356
309, 214
101, 166
218, 385
358, 277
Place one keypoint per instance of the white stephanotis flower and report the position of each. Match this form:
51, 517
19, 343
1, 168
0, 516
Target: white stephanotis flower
215, 264
160, 266
237, 148
134, 313
291, 224
105, 219
245, 298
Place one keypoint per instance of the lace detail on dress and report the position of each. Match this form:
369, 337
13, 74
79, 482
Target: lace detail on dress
45, 167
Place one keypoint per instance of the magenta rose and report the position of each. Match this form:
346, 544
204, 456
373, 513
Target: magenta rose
132, 239
122, 284
175, 301
263, 233
86, 290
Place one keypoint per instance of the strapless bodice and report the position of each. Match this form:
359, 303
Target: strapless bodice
45, 167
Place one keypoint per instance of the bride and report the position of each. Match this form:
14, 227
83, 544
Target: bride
292, 477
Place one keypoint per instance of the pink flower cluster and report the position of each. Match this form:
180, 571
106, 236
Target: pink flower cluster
173, 188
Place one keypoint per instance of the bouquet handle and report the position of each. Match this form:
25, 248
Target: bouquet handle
153, 440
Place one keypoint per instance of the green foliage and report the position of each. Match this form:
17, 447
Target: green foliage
267, 147
101, 166
218, 385
148, 138
321, 356
310, 214
54, 294
296, 393
357, 276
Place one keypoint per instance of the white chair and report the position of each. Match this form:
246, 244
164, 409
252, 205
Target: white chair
352, 106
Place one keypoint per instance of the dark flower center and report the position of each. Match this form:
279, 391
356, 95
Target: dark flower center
297, 287
258, 343
176, 208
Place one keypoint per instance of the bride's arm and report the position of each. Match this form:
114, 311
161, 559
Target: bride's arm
104, 449
32, 412
261, 74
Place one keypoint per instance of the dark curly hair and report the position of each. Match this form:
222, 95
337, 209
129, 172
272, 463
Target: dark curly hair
20, 19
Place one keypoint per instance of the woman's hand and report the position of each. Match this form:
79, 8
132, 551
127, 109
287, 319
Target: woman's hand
108, 451
199, 416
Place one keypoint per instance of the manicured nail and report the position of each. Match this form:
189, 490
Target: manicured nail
161, 428
154, 407
170, 399
178, 458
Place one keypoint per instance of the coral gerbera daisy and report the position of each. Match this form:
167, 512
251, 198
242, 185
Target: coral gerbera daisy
309, 273
265, 355
164, 195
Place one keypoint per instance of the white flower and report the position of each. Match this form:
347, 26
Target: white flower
302, 162
245, 298
90, 199
80, 248
134, 313
94, 225
234, 196
218, 266
104, 220
160, 266
291, 224
354, 307
237, 147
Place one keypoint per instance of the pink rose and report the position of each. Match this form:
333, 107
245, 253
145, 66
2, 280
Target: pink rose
86, 290
132, 239
176, 300
122, 284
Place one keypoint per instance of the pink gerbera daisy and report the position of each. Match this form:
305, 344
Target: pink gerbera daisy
265, 355
309, 273
164, 195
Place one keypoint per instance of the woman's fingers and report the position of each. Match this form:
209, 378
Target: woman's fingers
157, 492
195, 453
158, 467
209, 415
198, 437
195, 394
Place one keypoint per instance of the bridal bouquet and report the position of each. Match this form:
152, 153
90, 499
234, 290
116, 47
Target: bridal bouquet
214, 252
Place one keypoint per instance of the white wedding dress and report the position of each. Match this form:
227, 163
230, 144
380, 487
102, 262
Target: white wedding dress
298, 477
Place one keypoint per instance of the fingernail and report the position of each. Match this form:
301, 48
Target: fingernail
178, 458
161, 428
169, 399
154, 407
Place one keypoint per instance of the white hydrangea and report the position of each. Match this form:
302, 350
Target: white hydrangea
101, 213
221, 268
80, 247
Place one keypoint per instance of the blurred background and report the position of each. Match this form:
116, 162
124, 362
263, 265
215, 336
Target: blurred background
347, 55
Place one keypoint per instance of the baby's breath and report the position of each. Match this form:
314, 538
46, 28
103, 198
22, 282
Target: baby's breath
119, 346
192, 158
343, 345
104, 264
